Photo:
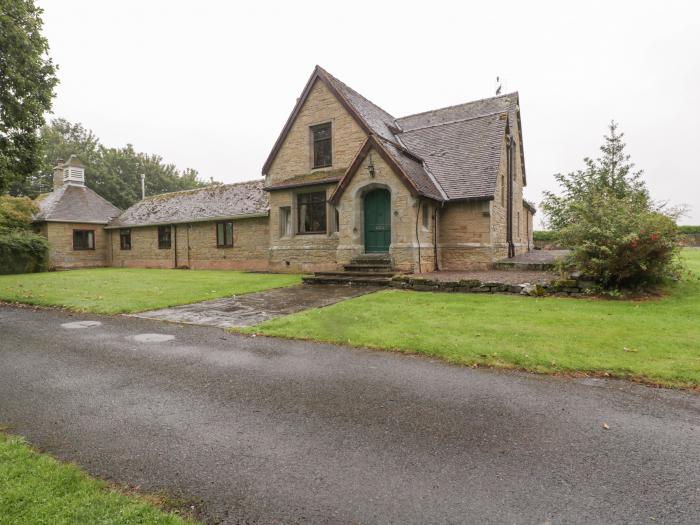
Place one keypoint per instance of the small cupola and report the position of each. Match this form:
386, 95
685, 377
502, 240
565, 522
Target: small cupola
73, 172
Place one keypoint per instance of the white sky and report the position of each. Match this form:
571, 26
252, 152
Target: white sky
209, 84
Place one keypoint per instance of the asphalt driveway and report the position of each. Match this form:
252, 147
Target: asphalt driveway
275, 431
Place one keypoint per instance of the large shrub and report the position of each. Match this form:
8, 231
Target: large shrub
621, 245
21, 250
604, 214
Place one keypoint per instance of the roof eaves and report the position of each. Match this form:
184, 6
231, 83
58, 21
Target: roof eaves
204, 219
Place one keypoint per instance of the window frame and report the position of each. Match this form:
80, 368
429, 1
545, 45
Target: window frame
124, 233
320, 203
286, 226
222, 243
316, 141
89, 234
161, 238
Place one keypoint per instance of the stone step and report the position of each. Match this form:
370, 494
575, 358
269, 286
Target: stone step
372, 258
386, 273
347, 280
367, 268
523, 266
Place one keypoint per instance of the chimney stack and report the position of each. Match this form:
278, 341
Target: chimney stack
58, 174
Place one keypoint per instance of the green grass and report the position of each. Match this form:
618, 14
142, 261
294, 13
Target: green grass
655, 341
36, 489
125, 290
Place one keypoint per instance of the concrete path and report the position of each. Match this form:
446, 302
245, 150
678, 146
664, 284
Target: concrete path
254, 308
270, 431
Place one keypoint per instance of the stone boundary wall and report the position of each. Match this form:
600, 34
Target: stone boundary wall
557, 288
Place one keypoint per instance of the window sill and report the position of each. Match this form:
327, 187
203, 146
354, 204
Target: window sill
225, 246
311, 233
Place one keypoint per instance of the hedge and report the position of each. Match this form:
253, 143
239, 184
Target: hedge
543, 235
22, 251
689, 229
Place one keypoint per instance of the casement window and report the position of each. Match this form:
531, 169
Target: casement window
224, 234
285, 221
426, 216
83, 239
321, 140
125, 239
164, 237
312, 212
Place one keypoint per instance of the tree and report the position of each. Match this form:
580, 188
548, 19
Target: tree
114, 173
611, 173
604, 214
27, 82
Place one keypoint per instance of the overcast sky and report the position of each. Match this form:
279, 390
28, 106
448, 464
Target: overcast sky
209, 84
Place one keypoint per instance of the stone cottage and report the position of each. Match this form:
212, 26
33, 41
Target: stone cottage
344, 181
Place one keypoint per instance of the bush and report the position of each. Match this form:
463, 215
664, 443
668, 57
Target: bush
16, 212
688, 230
544, 235
22, 251
620, 245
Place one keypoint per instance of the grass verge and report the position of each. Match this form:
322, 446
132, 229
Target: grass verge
36, 489
128, 290
653, 341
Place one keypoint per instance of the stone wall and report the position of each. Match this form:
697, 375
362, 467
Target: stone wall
194, 246
295, 157
301, 252
61, 252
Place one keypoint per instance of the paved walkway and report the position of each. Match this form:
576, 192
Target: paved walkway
272, 431
254, 308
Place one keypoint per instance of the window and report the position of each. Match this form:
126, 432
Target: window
336, 221
426, 216
285, 221
164, 237
224, 234
83, 239
312, 212
125, 239
321, 136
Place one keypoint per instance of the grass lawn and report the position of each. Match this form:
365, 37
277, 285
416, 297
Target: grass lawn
126, 290
35, 489
655, 341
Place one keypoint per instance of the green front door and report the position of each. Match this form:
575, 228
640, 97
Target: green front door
377, 221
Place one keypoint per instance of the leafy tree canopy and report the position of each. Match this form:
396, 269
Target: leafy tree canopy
604, 214
611, 173
114, 173
16, 213
27, 82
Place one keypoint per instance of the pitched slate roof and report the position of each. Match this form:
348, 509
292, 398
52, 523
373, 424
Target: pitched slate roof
462, 155
444, 154
74, 204
222, 201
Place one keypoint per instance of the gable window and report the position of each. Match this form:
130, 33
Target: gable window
164, 237
285, 221
321, 138
83, 239
312, 212
125, 239
224, 234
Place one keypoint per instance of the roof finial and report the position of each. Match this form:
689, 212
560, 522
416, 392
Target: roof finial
499, 85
